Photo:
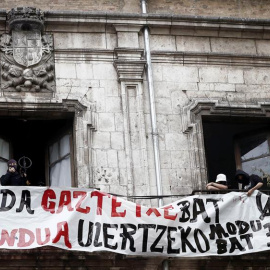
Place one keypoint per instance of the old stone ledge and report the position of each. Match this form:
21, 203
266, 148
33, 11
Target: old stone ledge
186, 58
67, 17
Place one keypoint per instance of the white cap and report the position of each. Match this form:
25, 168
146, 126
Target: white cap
221, 177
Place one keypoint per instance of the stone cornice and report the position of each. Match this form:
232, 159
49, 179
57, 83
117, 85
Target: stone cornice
203, 106
152, 20
20, 107
129, 64
184, 58
154, 17
77, 55
191, 58
130, 70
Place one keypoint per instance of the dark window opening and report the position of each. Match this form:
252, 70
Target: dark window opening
234, 143
32, 138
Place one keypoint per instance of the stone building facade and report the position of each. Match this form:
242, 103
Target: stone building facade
210, 70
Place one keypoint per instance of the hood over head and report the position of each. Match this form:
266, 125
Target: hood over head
245, 178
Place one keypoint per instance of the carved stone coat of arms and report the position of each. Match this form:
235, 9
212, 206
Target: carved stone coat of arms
27, 62
27, 47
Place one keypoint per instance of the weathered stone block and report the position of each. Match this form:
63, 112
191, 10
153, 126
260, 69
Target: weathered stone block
157, 73
68, 82
118, 120
101, 140
136, 158
233, 46
253, 88
162, 123
165, 159
83, 177
104, 71
79, 41
139, 177
98, 96
173, 73
179, 99
113, 104
128, 39
142, 190
174, 141
163, 89
224, 33
111, 87
119, 190
161, 141
216, 87
257, 76
213, 74
174, 123
235, 76
263, 47
111, 41
150, 152
180, 159
84, 71
112, 158
193, 44
122, 159
132, 104
104, 175
123, 177
117, 140
163, 106
65, 71
224, 87
162, 43
101, 158
106, 122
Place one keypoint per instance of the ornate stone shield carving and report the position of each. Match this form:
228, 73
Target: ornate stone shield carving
26, 53
27, 47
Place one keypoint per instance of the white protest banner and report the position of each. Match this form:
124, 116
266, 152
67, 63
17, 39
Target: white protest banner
90, 220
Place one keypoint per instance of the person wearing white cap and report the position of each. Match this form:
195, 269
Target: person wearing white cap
221, 183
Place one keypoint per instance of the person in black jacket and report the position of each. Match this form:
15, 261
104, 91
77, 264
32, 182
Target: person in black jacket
249, 182
13, 177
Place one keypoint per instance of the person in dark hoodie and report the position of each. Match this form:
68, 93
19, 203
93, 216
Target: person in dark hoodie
249, 182
13, 177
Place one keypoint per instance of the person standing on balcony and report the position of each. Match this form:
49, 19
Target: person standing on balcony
248, 182
13, 177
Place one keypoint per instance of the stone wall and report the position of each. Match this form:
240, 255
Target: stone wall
128, 6
217, 8
217, 67
99, 62
226, 67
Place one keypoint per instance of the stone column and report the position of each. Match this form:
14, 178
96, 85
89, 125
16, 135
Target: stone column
130, 66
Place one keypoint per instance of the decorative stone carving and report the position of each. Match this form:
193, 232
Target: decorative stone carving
27, 62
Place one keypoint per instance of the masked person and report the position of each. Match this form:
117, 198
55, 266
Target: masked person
220, 183
249, 182
13, 177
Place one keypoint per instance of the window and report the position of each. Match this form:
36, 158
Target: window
47, 142
4, 155
59, 162
253, 155
232, 143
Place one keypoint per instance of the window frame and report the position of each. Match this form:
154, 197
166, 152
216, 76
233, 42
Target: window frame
57, 138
